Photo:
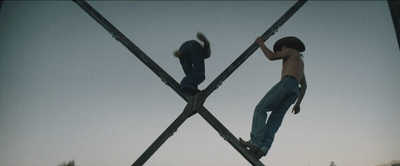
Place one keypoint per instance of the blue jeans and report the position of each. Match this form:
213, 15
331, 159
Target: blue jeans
192, 61
277, 101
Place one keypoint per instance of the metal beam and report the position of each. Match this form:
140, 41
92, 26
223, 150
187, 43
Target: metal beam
231, 68
228, 136
394, 7
164, 136
195, 103
165, 77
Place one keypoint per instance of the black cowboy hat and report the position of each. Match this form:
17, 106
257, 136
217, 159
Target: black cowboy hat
290, 42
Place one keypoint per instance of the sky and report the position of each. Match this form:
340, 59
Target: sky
69, 91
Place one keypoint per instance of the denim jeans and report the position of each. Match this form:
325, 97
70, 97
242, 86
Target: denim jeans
277, 101
192, 61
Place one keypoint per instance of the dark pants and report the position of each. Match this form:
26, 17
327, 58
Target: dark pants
192, 61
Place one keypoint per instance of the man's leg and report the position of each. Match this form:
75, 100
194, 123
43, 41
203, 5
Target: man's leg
197, 55
273, 123
186, 62
275, 120
268, 103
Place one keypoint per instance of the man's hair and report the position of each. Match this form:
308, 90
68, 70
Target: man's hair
289, 42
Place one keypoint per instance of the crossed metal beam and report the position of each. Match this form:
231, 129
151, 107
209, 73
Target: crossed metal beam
194, 102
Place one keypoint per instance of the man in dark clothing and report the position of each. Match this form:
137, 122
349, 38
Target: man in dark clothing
191, 55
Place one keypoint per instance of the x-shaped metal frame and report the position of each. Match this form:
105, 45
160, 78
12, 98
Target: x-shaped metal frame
194, 103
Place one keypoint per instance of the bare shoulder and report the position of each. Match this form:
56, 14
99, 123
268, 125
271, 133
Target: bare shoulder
286, 53
291, 55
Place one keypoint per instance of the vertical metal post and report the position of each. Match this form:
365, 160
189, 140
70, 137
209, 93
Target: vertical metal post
394, 7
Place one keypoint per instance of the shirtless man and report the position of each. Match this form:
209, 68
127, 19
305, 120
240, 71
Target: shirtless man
278, 100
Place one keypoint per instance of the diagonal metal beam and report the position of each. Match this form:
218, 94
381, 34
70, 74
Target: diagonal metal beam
228, 136
231, 68
188, 111
200, 98
194, 103
165, 77
394, 7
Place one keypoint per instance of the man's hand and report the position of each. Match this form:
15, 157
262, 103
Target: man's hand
201, 37
296, 109
260, 41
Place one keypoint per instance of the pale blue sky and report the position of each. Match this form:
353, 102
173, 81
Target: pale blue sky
68, 90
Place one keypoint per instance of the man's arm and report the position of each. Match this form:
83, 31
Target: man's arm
303, 84
272, 55
206, 46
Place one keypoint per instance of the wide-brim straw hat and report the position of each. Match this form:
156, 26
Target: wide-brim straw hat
290, 42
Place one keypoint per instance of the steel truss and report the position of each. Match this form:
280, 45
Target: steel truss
194, 103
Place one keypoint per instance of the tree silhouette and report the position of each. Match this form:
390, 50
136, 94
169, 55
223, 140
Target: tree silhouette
70, 163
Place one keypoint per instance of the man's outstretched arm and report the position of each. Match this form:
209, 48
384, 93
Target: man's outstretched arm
303, 84
272, 55
206, 46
